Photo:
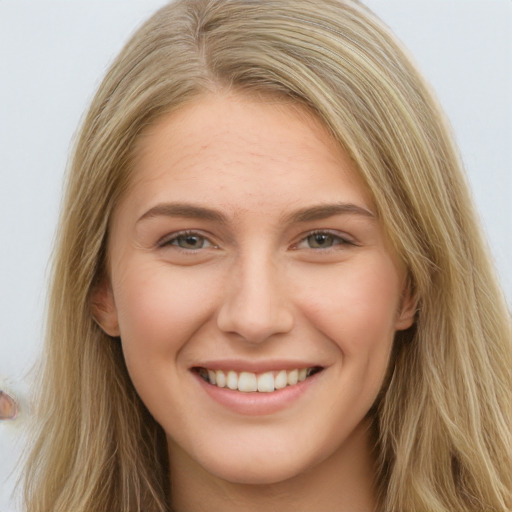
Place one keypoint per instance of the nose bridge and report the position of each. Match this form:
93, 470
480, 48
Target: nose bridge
255, 305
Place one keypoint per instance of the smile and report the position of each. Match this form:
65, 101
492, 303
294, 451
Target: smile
248, 382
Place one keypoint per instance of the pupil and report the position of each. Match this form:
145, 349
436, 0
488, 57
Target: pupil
320, 240
191, 241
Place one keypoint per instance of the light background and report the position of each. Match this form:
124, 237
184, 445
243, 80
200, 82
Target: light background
52, 57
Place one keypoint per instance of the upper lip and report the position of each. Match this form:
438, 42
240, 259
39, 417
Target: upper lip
255, 366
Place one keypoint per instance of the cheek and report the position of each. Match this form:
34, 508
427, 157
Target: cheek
159, 308
356, 311
355, 306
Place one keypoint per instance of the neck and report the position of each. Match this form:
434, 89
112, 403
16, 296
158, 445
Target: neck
342, 482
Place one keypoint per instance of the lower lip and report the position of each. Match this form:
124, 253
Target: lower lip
256, 403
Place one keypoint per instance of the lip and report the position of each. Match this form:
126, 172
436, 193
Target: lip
255, 403
255, 366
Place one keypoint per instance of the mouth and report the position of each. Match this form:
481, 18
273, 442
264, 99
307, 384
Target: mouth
248, 382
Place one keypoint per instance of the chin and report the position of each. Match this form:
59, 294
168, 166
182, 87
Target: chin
267, 474
257, 469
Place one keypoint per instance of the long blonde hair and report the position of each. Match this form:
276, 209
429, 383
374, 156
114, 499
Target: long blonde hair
443, 418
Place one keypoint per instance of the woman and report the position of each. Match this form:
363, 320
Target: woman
270, 290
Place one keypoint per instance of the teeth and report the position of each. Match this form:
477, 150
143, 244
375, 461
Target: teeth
266, 382
281, 380
220, 377
232, 380
248, 382
293, 377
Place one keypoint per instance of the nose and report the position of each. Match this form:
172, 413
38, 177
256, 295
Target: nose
255, 303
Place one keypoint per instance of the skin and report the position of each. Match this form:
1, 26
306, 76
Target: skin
255, 287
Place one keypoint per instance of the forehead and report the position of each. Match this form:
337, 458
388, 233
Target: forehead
224, 144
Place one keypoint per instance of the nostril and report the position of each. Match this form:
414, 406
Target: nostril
8, 406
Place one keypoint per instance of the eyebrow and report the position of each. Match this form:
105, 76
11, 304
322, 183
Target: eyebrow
184, 210
324, 211
307, 214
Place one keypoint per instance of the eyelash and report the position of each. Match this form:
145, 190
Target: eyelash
173, 240
338, 240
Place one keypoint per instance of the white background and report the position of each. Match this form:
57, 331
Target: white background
52, 57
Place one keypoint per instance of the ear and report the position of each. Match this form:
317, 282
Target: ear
408, 308
104, 308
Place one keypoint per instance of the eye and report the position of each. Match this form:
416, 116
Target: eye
322, 240
190, 241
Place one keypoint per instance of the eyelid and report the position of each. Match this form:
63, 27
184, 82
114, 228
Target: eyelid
166, 241
344, 239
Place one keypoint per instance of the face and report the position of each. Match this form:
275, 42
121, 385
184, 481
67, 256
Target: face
253, 289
